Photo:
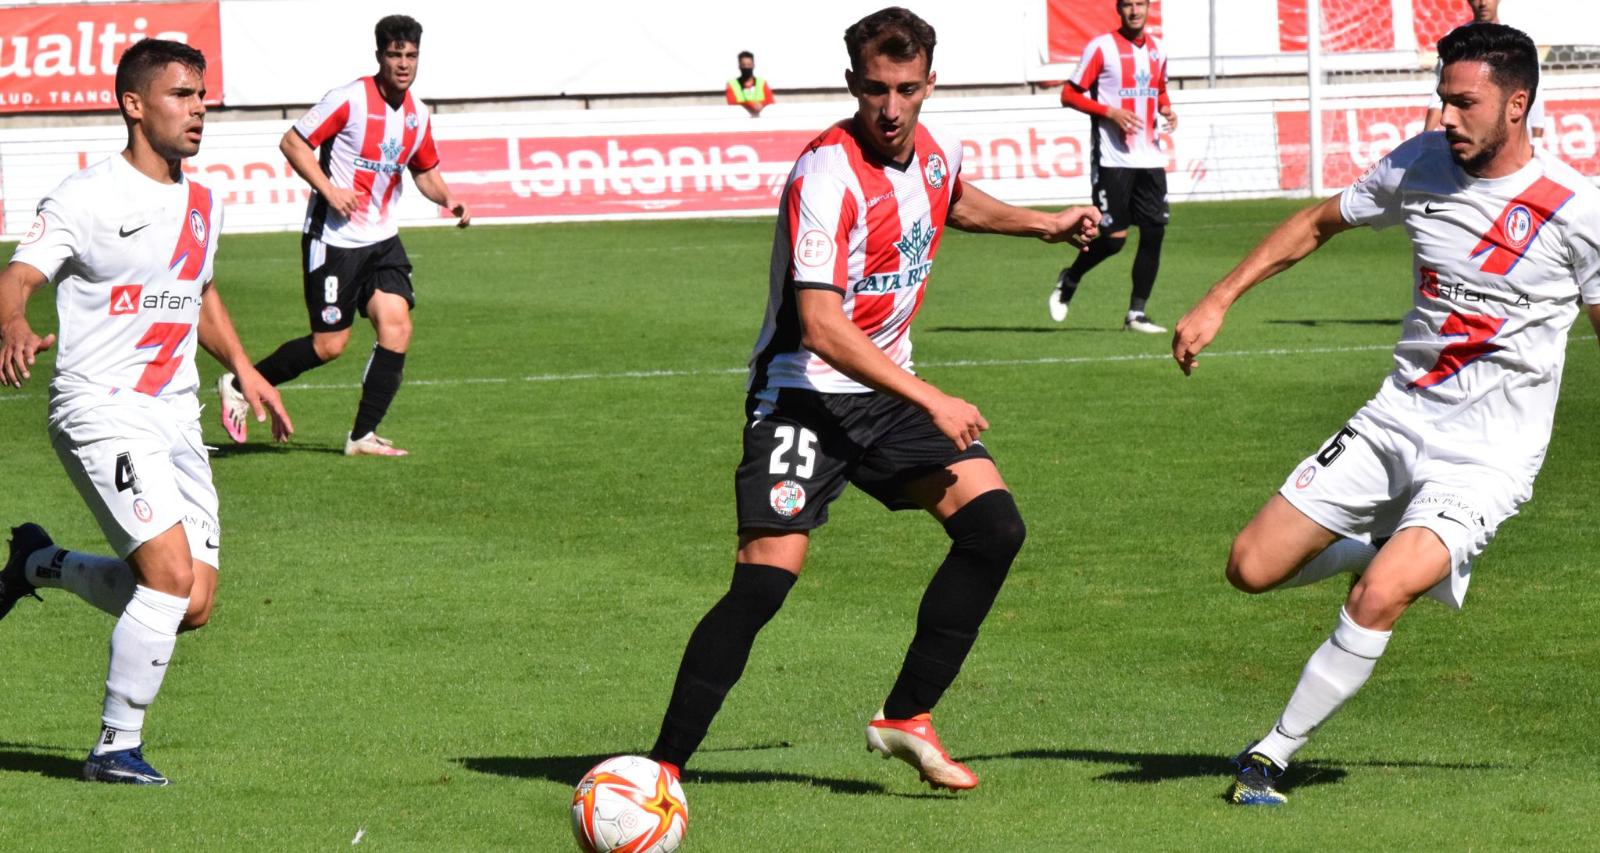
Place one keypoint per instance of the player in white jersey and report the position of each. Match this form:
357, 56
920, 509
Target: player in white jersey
832, 399
130, 243
1485, 12
1506, 246
1121, 84
351, 148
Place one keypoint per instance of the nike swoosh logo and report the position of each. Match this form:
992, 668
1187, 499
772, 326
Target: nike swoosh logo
1448, 517
124, 232
211, 542
1430, 208
160, 662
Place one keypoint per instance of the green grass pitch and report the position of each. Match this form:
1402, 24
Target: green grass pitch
432, 650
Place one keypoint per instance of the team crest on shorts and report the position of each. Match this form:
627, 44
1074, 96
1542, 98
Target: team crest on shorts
787, 498
1306, 476
935, 171
331, 314
197, 226
141, 510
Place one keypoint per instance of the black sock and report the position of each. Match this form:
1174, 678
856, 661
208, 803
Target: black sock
378, 387
985, 536
286, 362
1101, 248
715, 657
1146, 262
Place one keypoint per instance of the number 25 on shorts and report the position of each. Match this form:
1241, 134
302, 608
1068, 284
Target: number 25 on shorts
805, 449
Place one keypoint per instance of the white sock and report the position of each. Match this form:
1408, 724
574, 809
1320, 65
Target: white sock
1334, 674
105, 582
141, 646
1345, 555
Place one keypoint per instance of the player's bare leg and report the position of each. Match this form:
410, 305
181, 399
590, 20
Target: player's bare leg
1408, 565
1273, 548
970, 499
391, 318
141, 648
765, 568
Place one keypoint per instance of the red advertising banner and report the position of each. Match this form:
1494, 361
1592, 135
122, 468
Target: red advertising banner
1071, 23
64, 57
1354, 139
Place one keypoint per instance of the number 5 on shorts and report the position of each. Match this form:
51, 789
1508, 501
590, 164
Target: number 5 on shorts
1335, 447
805, 448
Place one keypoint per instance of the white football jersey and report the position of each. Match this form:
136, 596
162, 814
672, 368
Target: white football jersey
1499, 268
363, 144
129, 257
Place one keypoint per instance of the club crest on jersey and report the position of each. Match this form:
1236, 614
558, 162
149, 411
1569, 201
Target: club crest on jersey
1519, 226
411, 121
935, 171
787, 498
914, 243
125, 299
197, 226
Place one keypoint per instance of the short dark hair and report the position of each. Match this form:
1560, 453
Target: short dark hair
745, 54
895, 32
1512, 59
146, 58
397, 28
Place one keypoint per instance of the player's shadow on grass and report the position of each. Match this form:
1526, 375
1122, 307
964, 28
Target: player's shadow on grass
272, 449
43, 760
568, 769
1312, 323
1148, 767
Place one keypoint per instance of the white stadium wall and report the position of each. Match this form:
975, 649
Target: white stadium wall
548, 165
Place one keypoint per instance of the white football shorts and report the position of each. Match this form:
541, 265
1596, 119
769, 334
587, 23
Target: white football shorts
141, 467
1375, 477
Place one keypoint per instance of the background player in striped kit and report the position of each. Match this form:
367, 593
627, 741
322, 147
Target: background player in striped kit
1121, 83
351, 148
832, 399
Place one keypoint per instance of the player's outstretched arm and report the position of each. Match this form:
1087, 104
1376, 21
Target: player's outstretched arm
217, 335
979, 212
1298, 236
303, 160
18, 343
826, 331
432, 186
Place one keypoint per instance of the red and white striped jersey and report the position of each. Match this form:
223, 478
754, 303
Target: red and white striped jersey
130, 258
1500, 267
1131, 76
363, 144
851, 223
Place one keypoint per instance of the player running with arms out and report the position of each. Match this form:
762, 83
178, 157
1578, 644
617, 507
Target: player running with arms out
1121, 84
1506, 245
130, 243
832, 399
351, 148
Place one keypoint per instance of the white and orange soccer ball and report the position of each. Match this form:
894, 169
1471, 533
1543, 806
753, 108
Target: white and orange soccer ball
629, 804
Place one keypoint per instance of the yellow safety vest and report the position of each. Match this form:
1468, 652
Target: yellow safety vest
755, 94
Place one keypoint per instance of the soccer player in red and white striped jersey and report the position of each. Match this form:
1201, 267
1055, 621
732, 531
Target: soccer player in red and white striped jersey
833, 400
352, 148
1121, 83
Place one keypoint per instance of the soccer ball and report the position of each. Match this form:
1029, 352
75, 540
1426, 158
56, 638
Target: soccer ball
629, 804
